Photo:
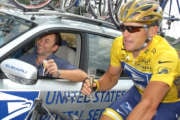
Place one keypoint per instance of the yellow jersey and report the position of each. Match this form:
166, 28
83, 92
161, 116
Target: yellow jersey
159, 62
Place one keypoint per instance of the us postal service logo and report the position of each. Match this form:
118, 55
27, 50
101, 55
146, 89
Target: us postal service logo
14, 105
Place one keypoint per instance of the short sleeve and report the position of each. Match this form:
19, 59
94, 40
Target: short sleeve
115, 55
165, 67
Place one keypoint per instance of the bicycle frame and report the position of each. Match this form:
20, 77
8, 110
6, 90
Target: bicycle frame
167, 5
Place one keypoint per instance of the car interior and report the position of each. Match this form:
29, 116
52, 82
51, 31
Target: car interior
67, 50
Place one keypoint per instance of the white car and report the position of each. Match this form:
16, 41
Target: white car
25, 95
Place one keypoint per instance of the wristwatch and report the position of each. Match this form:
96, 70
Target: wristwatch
58, 74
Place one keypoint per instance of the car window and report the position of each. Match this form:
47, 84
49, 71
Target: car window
11, 27
70, 39
66, 51
68, 48
99, 52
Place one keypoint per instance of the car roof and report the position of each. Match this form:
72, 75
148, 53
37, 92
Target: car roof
55, 18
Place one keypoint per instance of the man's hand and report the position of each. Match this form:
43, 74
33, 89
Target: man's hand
51, 68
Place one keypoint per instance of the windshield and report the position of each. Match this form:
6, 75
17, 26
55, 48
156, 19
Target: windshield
11, 27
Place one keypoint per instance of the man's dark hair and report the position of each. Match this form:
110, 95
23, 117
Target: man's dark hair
58, 38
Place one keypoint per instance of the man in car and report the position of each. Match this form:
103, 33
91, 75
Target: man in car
49, 64
149, 60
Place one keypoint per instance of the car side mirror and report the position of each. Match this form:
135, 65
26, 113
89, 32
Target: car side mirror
19, 71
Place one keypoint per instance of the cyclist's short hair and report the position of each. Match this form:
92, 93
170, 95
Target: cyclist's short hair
142, 11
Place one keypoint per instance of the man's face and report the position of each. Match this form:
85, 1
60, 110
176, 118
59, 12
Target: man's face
46, 45
135, 37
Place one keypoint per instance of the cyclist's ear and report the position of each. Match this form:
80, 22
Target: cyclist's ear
152, 31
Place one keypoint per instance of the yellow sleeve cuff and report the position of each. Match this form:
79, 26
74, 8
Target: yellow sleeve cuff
97, 85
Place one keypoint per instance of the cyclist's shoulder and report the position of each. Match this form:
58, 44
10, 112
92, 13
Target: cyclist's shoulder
159, 38
118, 40
161, 43
161, 47
117, 43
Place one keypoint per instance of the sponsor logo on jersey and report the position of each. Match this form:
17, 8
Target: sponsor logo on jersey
160, 62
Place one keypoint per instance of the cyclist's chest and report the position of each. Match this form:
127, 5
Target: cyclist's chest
142, 63
139, 69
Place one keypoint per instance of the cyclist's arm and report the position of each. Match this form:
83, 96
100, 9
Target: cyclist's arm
110, 78
153, 95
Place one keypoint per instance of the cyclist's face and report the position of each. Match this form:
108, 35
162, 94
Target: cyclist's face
134, 35
46, 45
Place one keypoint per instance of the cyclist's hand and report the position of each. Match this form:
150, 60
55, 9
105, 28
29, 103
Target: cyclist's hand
87, 87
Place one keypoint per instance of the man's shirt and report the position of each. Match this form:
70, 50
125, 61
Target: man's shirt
61, 63
159, 62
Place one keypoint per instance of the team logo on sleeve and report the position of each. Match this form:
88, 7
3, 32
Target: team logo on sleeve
163, 70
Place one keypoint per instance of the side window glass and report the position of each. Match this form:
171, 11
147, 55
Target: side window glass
68, 48
99, 53
66, 51
11, 27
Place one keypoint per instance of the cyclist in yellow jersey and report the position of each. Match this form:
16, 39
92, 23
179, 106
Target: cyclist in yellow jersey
150, 61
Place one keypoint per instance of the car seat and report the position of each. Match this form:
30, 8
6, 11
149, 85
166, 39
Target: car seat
66, 53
